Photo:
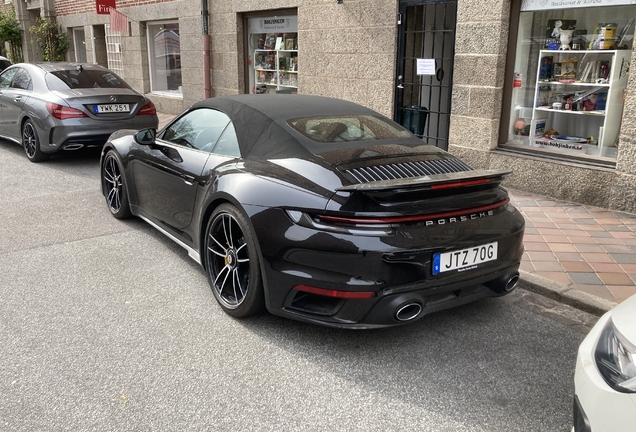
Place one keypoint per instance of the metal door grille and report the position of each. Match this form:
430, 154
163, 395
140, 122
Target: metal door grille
427, 31
113, 50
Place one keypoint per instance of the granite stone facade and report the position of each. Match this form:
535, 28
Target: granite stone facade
349, 51
479, 82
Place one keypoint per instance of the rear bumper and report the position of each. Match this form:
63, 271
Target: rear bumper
396, 270
387, 309
87, 132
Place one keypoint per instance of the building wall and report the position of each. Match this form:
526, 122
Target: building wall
479, 80
348, 51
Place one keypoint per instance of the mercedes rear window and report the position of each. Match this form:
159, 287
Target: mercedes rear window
84, 78
343, 128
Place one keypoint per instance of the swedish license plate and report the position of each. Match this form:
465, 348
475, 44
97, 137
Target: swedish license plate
464, 259
110, 108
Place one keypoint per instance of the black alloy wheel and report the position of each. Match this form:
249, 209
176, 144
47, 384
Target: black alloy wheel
232, 263
114, 187
31, 143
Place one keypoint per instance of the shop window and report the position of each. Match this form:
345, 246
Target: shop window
570, 76
273, 54
164, 51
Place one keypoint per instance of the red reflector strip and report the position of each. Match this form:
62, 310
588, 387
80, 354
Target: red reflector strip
416, 218
460, 184
335, 293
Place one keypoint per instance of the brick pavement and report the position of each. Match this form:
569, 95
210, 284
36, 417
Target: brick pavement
585, 248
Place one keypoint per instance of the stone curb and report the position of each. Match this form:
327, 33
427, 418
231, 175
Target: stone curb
561, 293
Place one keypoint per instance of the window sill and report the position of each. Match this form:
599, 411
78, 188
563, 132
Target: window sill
174, 95
554, 155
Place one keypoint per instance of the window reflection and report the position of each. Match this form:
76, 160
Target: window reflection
165, 57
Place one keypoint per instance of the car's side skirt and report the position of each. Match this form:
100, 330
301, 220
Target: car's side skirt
191, 252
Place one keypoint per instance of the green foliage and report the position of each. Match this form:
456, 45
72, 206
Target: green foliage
52, 38
10, 33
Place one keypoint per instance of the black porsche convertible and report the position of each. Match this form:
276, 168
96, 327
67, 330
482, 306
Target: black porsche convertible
318, 209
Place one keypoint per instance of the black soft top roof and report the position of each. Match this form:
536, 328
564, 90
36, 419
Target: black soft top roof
262, 129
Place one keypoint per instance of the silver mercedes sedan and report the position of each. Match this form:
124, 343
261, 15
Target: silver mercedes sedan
48, 107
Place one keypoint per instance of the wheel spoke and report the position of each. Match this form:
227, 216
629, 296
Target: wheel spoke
219, 275
112, 197
243, 260
216, 253
238, 282
109, 169
219, 244
227, 230
108, 176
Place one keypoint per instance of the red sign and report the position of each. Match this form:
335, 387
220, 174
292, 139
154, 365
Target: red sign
103, 6
516, 81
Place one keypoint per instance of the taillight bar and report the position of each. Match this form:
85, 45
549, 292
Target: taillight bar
460, 184
63, 112
335, 293
415, 218
148, 109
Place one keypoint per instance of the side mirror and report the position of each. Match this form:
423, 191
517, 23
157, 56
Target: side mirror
146, 136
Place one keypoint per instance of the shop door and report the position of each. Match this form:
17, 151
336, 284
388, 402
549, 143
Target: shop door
426, 48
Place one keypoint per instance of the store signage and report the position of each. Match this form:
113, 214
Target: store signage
540, 5
103, 6
274, 24
517, 80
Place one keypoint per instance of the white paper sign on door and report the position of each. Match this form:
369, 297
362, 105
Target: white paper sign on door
426, 66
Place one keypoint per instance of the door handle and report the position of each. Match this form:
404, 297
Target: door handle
17, 98
189, 180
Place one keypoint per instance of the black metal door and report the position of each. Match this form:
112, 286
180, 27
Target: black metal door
426, 48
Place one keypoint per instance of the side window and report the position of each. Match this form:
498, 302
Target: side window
228, 143
6, 77
199, 129
22, 80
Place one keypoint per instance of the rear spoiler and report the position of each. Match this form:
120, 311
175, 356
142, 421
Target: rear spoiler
437, 181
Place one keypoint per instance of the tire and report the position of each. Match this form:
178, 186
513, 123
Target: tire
232, 263
31, 143
114, 187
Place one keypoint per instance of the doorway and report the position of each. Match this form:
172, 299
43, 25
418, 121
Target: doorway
426, 49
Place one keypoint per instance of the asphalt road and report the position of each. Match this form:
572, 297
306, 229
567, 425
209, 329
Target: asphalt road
107, 325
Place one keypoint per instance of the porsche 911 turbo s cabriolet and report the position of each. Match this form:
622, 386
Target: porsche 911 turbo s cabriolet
318, 209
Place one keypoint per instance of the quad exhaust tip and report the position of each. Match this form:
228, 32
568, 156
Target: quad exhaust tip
408, 312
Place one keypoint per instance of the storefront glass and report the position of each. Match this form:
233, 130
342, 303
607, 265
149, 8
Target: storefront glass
164, 51
273, 54
570, 74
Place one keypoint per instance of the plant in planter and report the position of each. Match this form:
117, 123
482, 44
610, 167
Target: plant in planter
52, 38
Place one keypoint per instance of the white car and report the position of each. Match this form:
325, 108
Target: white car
605, 377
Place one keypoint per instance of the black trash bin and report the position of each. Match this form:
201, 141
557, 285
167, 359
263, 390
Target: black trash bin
414, 118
